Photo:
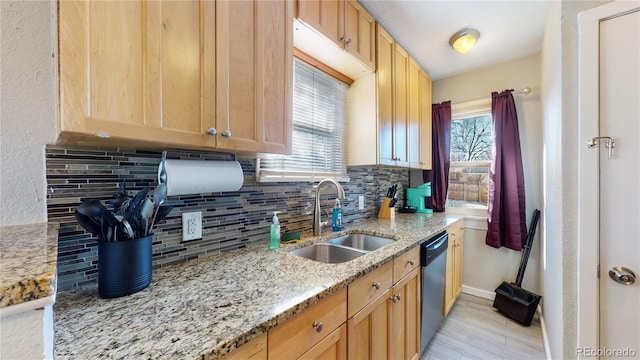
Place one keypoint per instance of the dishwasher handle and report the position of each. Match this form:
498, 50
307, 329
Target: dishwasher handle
435, 245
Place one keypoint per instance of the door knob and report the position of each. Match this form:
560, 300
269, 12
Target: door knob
622, 275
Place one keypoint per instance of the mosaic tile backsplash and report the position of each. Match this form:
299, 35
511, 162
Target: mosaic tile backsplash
230, 220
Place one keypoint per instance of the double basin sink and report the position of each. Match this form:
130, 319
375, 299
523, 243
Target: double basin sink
343, 248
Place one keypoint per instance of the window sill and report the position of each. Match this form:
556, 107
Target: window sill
476, 210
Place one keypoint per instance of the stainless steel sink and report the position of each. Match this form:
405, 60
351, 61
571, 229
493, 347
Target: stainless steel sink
361, 241
327, 253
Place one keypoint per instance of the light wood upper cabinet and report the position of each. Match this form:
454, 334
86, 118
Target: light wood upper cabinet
359, 33
188, 74
385, 85
345, 22
413, 131
400, 104
453, 277
135, 70
324, 16
425, 140
254, 67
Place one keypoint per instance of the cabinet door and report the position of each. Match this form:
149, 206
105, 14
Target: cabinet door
254, 73
180, 67
384, 78
325, 16
275, 75
425, 121
146, 81
400, 104
449, 297
359, 32
414, 133
332, 347
368, 330
405, 318
457, 279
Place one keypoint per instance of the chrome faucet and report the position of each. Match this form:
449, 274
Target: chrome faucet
317, 214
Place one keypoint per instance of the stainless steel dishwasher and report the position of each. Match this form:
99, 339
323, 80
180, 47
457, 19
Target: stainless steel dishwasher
433, 262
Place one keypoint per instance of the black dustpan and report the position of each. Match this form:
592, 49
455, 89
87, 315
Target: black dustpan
511, 299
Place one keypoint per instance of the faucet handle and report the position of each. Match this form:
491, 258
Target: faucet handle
328, 221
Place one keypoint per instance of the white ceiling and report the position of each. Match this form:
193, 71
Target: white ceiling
508, 30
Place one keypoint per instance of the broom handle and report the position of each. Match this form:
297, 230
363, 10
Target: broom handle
527, 248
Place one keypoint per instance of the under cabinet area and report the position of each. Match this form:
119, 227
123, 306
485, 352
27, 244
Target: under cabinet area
453, 277
194, 74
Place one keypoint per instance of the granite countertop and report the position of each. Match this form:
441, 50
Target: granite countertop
206, 307
28, 256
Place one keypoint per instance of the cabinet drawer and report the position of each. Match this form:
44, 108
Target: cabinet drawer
363, 290
255, 349
405, 263
294, 337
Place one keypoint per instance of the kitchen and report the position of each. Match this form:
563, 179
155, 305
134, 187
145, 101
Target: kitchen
27, 129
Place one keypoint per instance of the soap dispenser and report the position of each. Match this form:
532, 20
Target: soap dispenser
336, 218
275, 232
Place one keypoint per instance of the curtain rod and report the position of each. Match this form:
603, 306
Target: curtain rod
524, 91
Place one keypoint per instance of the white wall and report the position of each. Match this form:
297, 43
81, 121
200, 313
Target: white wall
560, 104
485, 267
27, 98
27, 335
27, 123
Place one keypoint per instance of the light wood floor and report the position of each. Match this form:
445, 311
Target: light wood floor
475, 330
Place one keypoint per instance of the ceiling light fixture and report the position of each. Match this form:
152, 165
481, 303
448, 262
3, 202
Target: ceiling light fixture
463, 40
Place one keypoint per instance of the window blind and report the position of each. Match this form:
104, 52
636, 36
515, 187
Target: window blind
319, 116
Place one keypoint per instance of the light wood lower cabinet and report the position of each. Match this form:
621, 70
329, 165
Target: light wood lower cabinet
255, 349
388, 326
332, 347
368, 330
300, 334
405, 318
453, 278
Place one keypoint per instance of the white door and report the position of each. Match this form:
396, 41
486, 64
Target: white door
619, 213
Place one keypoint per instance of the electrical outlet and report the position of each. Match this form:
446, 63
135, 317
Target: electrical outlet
191, 225
361, 202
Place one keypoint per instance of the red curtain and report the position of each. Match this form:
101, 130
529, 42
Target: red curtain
507, 223
441, 138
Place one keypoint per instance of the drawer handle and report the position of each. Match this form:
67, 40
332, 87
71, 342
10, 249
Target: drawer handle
411, 262
376, 285
318, 326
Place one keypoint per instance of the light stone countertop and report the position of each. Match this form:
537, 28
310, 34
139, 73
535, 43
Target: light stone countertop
28, 258
206, 307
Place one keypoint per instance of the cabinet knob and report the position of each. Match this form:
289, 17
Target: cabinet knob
411, 262
349, 41
212, 131
395, 298
376, 285
318, 326
343, 37
226, 133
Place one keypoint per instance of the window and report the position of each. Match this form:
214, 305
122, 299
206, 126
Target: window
470, 153
319, 117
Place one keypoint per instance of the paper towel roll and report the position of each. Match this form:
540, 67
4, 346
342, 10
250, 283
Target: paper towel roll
185, 177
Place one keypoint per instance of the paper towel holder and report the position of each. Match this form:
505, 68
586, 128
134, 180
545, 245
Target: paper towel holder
162, 174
